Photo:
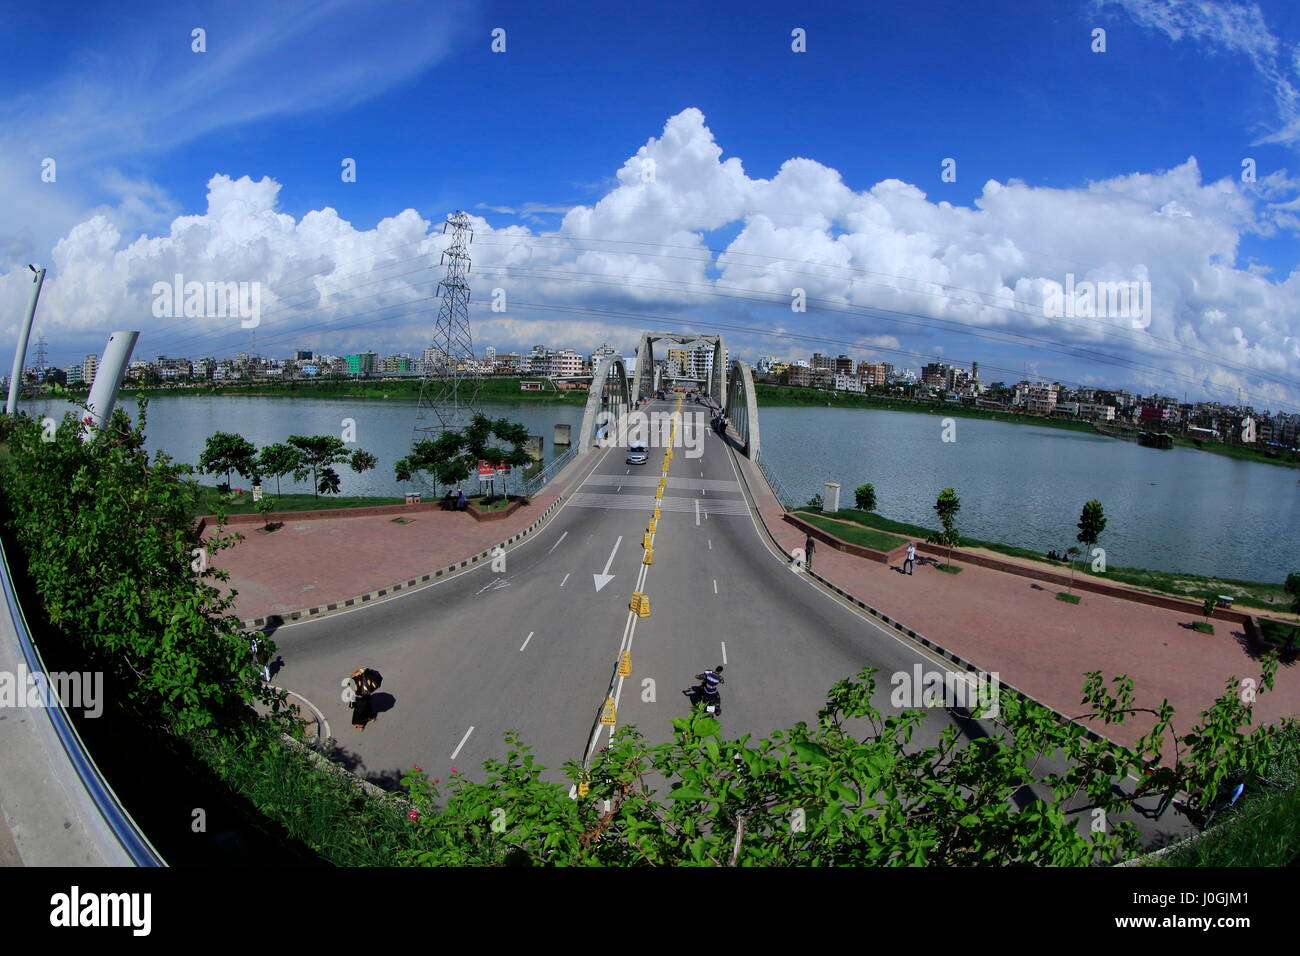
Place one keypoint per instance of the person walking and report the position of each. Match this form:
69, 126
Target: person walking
808, 547
910, 561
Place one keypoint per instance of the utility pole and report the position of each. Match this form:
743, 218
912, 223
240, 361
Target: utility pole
449, 394
20, 354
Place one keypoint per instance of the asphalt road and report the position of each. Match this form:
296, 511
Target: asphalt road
534, 647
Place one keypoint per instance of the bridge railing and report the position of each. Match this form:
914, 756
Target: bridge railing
549, 470
778, 488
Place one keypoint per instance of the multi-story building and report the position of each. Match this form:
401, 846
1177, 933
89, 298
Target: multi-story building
600, 353
800, 375
848, 383
939, 375
88, 367
74, 375
564, 363
1097, 412
1041, 399
362, 363
490, 356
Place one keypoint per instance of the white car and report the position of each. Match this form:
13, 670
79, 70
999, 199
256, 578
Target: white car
636, 454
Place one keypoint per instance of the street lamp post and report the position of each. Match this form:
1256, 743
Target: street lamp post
20, 355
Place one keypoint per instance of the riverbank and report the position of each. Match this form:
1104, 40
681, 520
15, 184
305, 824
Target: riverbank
397, 390
1257, 595
793, 396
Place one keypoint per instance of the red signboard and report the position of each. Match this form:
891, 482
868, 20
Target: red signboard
487, 469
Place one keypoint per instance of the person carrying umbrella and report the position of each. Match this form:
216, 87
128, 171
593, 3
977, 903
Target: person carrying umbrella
364, 682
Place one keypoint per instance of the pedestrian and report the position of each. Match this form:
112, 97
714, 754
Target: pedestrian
461, 500
910, 561
808, 547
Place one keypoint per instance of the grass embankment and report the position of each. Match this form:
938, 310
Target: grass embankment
1258, 595
774, 395
406, 390
854, 533
1262, 830
787, 395
209, 498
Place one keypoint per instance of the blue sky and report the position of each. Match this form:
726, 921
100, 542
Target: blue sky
1091, 150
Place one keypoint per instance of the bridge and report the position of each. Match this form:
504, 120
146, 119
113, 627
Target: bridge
728, 390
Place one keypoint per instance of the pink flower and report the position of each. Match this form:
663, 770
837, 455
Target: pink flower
417, 767
413, 815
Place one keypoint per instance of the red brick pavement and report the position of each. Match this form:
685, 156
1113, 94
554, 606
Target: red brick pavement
1012, 625
313, 563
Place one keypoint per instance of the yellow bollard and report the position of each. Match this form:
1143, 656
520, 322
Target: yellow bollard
646, 542
651, 526
656, 514
625, 664
659, 494
649, 557
607, 718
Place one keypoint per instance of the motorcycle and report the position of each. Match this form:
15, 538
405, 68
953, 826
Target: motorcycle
702, 695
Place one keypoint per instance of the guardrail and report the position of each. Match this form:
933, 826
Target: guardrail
129, 835
549, 470
782, 495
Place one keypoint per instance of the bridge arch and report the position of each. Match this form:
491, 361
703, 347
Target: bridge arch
742, 409
610, 393
648, 378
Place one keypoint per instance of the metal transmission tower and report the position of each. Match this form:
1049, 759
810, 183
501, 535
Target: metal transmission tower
449, 391
41, 365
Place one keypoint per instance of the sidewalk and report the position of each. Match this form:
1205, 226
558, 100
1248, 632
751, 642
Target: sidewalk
306, 564
1014, 626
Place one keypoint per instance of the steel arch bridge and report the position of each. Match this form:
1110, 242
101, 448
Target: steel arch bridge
614, 393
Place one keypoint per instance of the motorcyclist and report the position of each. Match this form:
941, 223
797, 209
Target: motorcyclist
708, 687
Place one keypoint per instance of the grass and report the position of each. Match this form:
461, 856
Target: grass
1205, 627
854, 534
491, 504
948, 568
1286, 634
208, 499
1067, 598
1263, 829
490, 389
1258, 595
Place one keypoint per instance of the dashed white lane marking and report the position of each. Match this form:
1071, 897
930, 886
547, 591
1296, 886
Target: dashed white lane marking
697, 512
526, 640
557, 544
715, 585
710, 544
566, 577
456, 752
618, 489
724, 652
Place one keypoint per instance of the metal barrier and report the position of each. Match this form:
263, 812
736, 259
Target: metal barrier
549, 470
129, 835
782, 495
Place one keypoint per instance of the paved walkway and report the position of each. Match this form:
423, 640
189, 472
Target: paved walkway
312, 563
1015, 626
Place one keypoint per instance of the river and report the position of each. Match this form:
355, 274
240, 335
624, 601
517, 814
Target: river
1177, 510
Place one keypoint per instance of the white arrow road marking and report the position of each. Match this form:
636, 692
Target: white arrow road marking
605, 577
498, 583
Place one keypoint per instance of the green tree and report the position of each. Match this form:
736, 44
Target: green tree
452, 457
1092, 522
265, 505
1208, 605
861, 788
129, 586
1292, 587
317, 454
946, 506
1071, 552
277, 461
865, 497
226, 452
